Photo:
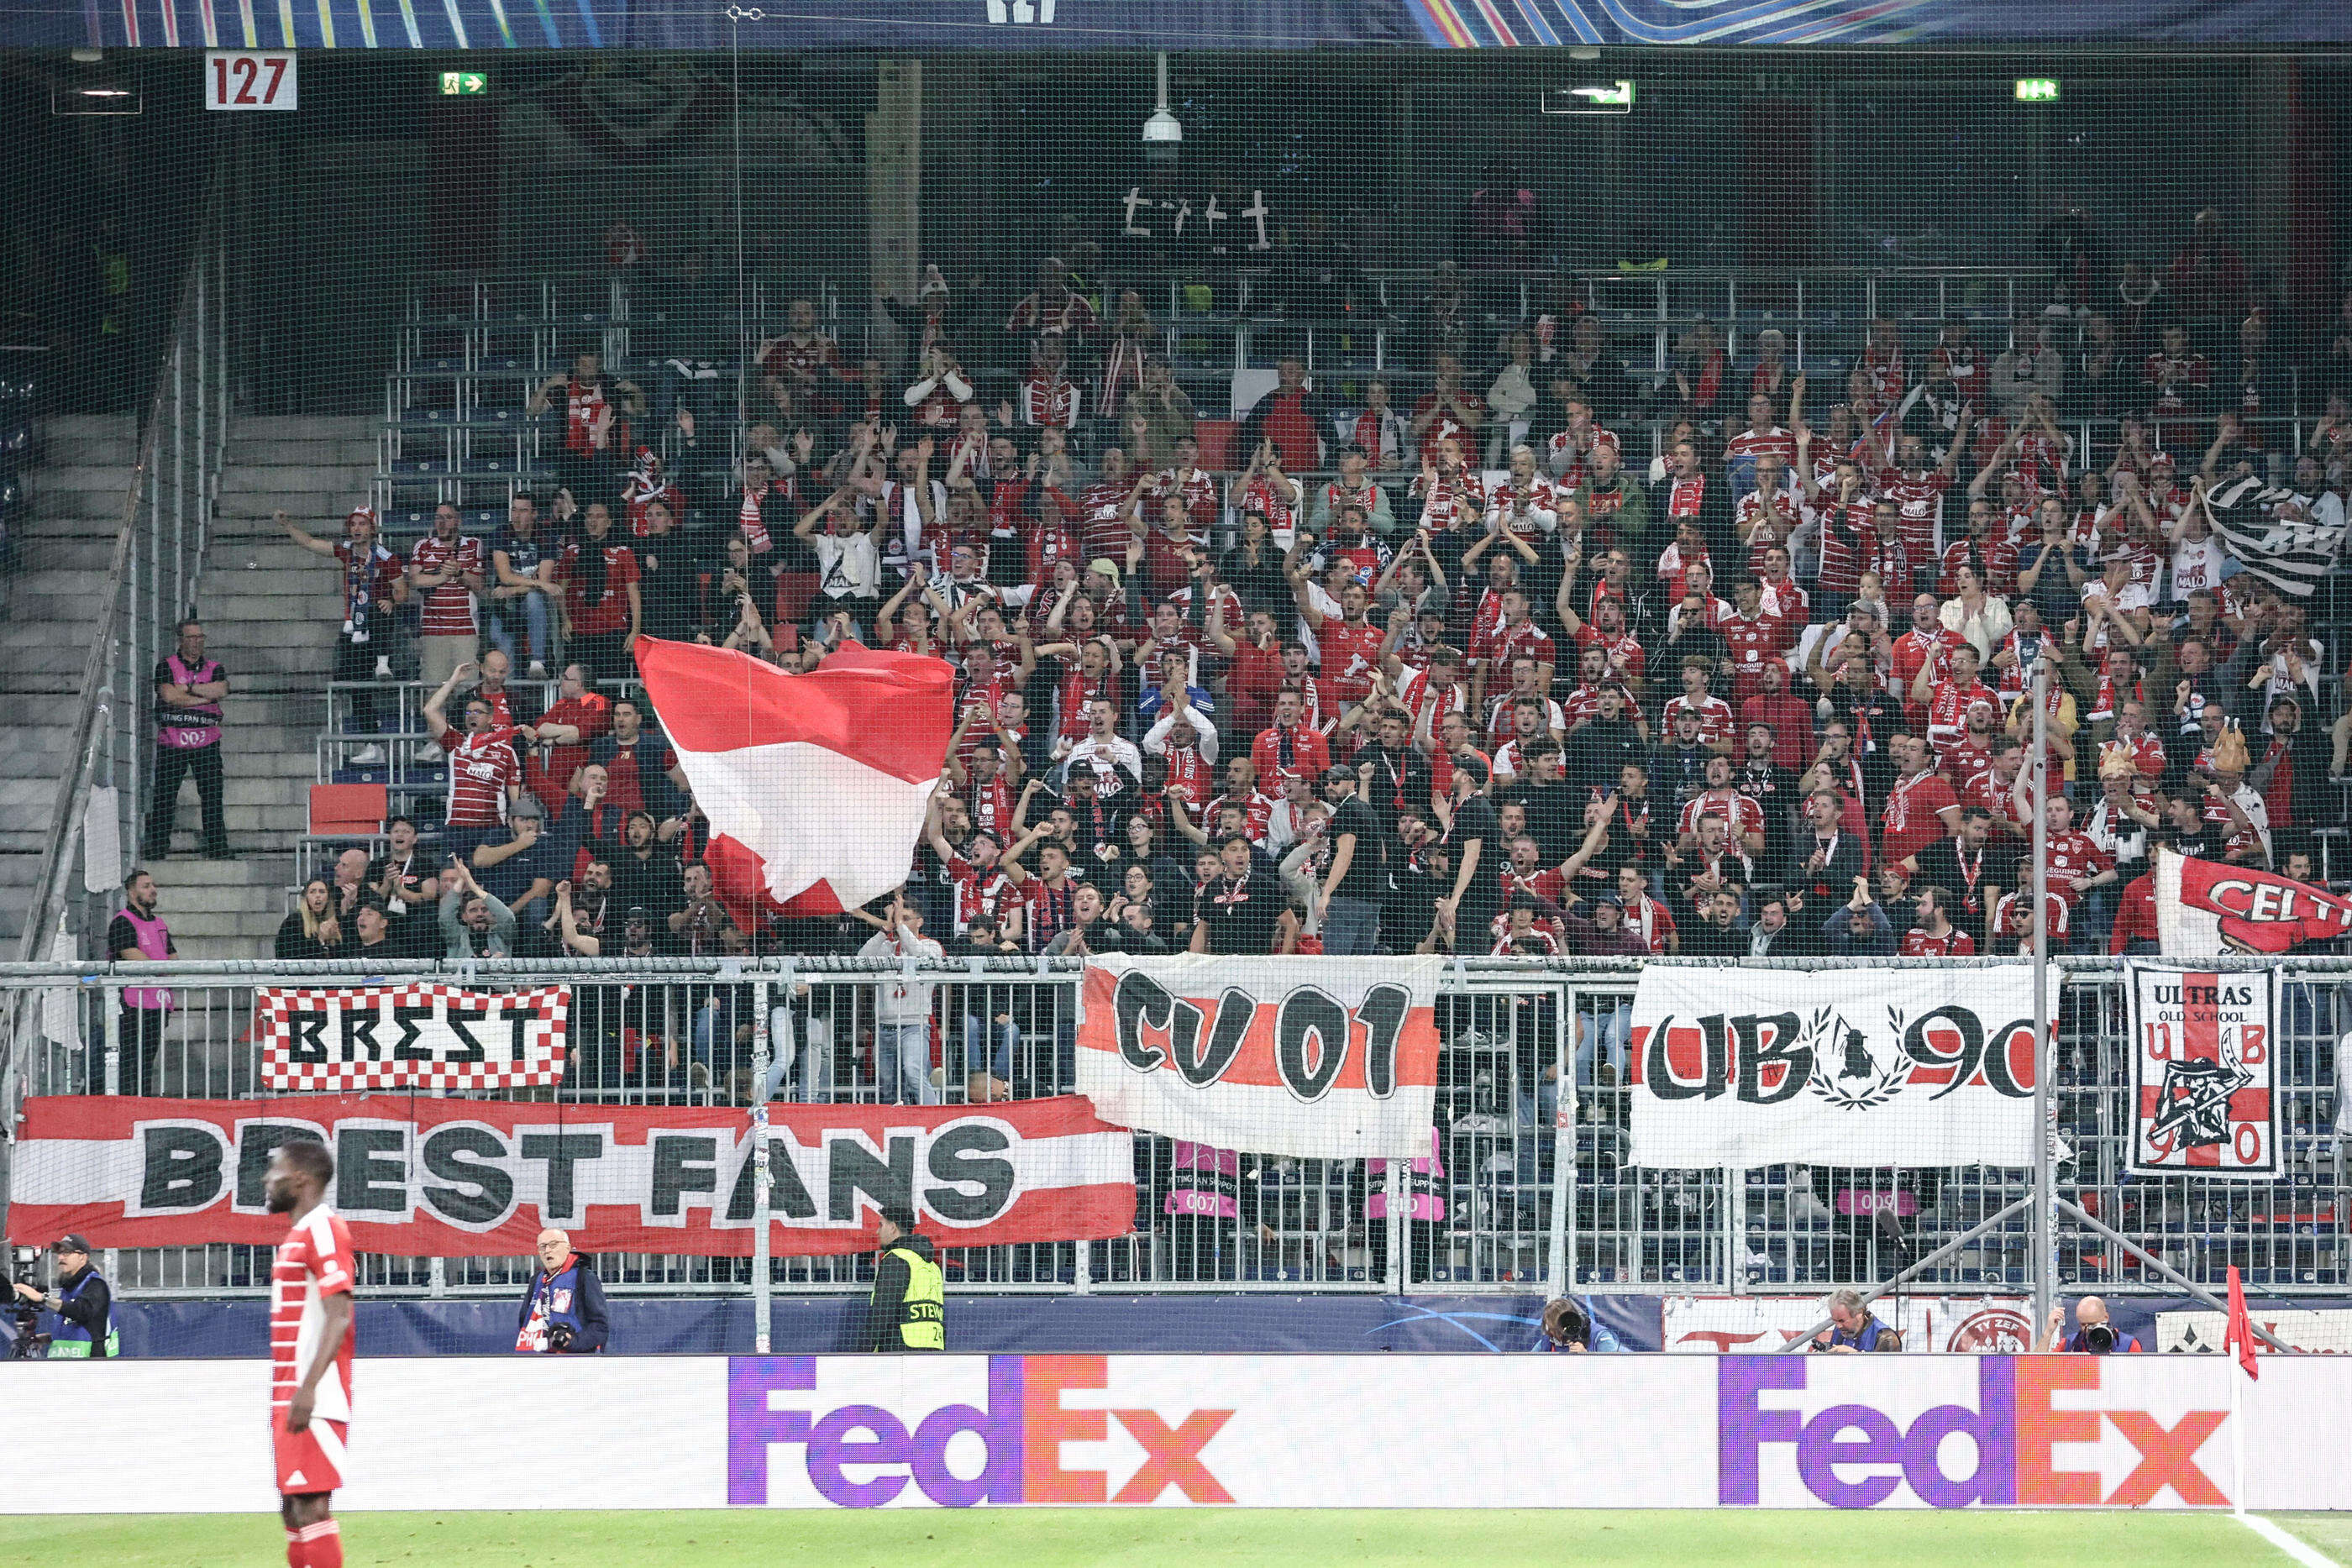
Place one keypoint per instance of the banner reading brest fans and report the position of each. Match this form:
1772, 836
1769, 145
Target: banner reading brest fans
1317, 1058
2204, 1082
419, 1036
1738, 1067
480, 1178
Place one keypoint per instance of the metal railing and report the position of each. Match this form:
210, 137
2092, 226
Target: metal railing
1532, 1117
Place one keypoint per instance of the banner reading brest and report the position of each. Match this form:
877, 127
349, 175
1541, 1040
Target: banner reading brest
1743, 1067
1317, 1058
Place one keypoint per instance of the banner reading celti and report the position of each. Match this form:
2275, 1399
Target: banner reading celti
2204, 1079
1317, 1058
2206, 908
1738, 1067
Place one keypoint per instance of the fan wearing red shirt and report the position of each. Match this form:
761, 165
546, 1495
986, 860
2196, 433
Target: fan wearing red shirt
484, 774
1721, 799
1934, 936
576, 717
1451, 495
310, 1345
603, 607
2077, 863
791, 366
1948, 701
1755, 642
1715, 716
1289, 748
1786, 714
1782, 600
1687, 552
1918, 492
1351, 647
1105, 509
1922, 650
1849, 537
1646, 916
1956, 357
445, 567
2013, 920
1448, 411
1921, 805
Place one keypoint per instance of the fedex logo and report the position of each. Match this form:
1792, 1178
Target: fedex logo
1859, 1454
867, 1455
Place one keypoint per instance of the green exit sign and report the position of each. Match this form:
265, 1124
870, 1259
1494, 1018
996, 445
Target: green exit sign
2037, 90
464, 84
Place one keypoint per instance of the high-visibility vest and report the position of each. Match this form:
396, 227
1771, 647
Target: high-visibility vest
923, 1312
72, 1341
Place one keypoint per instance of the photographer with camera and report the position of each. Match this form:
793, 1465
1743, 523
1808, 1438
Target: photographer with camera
83, 1302
2095, 1334
564, 1313
1854, 1328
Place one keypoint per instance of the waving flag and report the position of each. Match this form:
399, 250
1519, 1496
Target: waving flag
814, 785
2286, 539
2207, 907
2238, 1338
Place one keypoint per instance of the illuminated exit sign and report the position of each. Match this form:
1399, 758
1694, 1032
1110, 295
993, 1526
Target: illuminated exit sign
2037, 90
466, 84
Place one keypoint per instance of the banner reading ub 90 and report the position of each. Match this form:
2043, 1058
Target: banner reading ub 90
2204, 1079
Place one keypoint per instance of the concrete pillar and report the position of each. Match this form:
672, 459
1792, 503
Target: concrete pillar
894, 187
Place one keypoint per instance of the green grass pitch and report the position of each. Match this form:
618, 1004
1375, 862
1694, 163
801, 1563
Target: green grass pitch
1053, 1538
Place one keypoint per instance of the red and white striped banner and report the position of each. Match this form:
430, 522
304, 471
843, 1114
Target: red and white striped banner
2204, 1079
472, 1178
1317, 1058
419, 1036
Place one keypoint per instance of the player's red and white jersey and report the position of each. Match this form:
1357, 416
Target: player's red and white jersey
1649, 921
1103, 532
1742, 813
1953, 943
1750, 643
315, 1261
449, 608
1201, 500
1753, 444
1747, 521
2007, 800
1714, 719
482, 770
2041, 461
1786, 603
1545, 882
1542, 496
2074, 853
1451, 503
1055, 402
1675, 566
1948, 711
1351, 656
1919, 496
2057, 913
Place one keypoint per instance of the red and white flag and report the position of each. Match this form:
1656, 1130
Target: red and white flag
2205, 909
815, 785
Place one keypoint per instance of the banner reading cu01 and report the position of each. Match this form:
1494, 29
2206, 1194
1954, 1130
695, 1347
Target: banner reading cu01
1315, 1058
2204, 1079
468, 1178
1739, 1067
421, 1036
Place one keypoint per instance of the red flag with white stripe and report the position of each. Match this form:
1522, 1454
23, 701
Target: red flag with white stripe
2240, 1335
815, 785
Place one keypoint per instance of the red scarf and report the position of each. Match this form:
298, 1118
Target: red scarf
754, 530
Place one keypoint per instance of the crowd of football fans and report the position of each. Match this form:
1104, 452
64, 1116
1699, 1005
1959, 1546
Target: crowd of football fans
1474, 662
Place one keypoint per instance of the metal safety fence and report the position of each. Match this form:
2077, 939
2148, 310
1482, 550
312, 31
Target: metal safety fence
1530, 1187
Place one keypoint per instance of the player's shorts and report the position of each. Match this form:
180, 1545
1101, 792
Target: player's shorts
311, 1460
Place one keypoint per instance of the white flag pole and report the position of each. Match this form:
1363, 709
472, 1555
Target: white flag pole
2237, 1375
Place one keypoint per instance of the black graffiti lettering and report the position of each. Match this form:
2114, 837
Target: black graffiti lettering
683, 1163
359, 1029
370, 1176
255, 1141
1920, 1046
561, 1151
851, 1169
406, 1048
1716, 1057
458, 1019
787, 1198
1141, 1001
179, 1165
1756, 1051
965, 1155
306, 1036
1383, 1012
1997, 1059
471, 1185
1236, 1009
1308, 1014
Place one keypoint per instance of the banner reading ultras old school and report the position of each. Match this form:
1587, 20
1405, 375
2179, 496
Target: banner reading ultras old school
1853, 1066
1316, 1058
2204, 1081
462, 1179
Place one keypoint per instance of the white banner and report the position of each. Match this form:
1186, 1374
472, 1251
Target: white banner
1754, 1325
1251, 1431
420, 1035
1739, 1067
1317, 1058
2204, 1073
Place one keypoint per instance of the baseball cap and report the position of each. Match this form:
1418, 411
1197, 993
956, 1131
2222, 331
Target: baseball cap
1104, 565
72, 1241
639, 913
1338, 773
1604, 901
527, 807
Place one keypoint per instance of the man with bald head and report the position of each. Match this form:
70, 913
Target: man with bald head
564, 1313
2094, 1333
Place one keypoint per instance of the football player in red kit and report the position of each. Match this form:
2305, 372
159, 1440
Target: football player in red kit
309, 1352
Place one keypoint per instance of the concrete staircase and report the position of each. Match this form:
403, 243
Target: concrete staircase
65, 535
270, 611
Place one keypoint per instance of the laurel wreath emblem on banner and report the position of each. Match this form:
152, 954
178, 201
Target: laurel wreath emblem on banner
1846, 1073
